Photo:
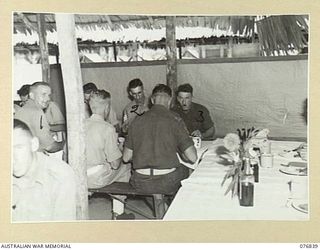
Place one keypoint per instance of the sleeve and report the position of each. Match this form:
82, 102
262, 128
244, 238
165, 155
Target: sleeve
182, 136
111, 149
54, 114
207, 123
129, 140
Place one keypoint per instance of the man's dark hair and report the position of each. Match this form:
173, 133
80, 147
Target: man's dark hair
185, 88
135, 83
162, 88
89, 87
24, 90
101, 93
18, 124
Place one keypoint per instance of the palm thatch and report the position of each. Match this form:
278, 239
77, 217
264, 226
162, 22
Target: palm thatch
282, 33
26, 22
276, 33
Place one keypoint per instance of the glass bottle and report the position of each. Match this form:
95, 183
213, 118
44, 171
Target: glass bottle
255, 168
246, 186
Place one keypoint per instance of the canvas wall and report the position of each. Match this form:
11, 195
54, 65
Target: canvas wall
238, 94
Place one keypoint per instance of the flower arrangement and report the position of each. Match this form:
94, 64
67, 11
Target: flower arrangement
240, 146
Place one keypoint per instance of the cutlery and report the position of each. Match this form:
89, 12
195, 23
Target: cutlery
201, 156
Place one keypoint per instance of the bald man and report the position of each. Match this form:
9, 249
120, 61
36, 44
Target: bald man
32, 113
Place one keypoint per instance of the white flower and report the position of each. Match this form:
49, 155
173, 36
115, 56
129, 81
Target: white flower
232, 142
262, 133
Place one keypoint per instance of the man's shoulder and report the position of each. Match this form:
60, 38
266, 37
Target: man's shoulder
198, 106
129, 105
54, 167
28, 111
99, 123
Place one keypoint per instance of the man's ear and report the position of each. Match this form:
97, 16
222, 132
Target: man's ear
152, 100
170, 102
31, 95
34, 144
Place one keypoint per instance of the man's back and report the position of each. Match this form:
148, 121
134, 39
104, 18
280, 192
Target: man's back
101, 141
156, 137
49, 196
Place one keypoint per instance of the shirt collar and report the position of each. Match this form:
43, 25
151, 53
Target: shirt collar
159, 107
31, 103
97, 117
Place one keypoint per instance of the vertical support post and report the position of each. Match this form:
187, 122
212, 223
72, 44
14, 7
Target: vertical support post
72, 82
180, 49
44, 51
114, 51
171, 49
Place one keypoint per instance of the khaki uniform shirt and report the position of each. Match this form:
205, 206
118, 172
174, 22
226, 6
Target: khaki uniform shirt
49, 196
197, 118
132, 110
156, 137
35, 118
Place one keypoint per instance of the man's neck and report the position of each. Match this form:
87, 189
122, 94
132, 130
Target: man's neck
100, 114
35, 103
29, 177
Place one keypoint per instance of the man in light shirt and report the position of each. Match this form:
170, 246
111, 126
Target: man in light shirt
44, 188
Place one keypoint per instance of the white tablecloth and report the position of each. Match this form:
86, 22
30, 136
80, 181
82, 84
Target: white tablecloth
202, 197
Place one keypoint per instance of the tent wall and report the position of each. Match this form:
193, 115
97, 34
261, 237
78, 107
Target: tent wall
267, 92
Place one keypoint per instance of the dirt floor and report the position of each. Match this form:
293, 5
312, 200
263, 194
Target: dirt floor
100, 207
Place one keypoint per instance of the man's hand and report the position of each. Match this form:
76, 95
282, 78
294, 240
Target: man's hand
196, 133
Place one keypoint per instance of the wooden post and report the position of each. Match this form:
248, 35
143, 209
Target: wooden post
180, 49
44, 51
171, 49
72, 82
114, 51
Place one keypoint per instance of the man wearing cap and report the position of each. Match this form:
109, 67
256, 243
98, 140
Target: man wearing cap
32, 113
153, 142
137, 107
196, 117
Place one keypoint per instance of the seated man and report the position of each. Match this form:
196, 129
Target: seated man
102, 153
196, 117
152, 143
32, 113
137, 107
44, 188
110, 115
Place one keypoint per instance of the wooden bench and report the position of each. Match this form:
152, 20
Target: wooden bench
123, 188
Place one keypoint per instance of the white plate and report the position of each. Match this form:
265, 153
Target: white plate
301, 205
294, 171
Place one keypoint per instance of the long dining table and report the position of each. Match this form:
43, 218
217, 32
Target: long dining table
277, 195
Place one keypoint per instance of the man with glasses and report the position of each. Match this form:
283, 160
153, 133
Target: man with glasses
137, 107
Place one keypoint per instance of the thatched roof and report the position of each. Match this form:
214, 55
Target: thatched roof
283, 32
26, 22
